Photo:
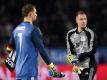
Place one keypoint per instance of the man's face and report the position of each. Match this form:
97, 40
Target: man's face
81, 20
34, 14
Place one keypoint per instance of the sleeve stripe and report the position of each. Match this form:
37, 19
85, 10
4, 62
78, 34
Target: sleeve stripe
91, 40
68, 45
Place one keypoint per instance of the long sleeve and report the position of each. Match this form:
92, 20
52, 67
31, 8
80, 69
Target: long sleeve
38, 42
70, 46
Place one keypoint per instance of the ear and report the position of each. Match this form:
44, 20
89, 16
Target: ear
30, 14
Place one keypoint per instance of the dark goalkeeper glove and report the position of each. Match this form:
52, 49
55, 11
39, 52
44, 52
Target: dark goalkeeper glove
10, 62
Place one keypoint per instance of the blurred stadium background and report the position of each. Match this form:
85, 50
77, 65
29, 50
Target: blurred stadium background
55, 18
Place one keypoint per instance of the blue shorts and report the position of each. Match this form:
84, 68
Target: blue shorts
27, 78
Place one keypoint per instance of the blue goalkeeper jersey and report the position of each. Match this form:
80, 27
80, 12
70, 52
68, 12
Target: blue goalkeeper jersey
26, 39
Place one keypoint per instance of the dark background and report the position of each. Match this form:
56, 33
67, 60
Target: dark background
55, 18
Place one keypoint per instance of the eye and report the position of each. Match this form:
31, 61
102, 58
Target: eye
81, 19
84, 18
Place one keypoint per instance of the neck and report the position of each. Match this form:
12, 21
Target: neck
80, 29
27, 19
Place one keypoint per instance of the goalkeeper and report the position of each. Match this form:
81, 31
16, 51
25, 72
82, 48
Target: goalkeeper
26, 40
81, 44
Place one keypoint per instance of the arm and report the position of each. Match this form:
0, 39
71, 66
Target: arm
70, 46
71, 57
11, 45
11, 60
38, 43
91, 51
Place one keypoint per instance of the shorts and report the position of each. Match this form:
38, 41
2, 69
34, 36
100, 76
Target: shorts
88, 73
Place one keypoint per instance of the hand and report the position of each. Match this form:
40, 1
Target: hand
54, 72
60, 74
53, 69
71, 59
76, 69
10, 62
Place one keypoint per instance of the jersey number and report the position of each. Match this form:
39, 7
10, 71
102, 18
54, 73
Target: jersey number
20, 40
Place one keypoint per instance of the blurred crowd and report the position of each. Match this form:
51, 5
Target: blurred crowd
55, 18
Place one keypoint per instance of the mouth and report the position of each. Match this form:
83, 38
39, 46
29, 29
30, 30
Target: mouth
84, 25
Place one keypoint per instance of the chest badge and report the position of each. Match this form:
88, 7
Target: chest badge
83, 38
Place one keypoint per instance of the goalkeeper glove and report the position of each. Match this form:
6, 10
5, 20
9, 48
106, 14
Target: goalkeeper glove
72, 59
77, 69
54, 73
60, 74
10, 62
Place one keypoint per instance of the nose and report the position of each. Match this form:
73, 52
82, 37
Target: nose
35, 14
84, 21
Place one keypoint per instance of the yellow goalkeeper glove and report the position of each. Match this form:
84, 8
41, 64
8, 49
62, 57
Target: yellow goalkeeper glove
72, 59
55, 71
